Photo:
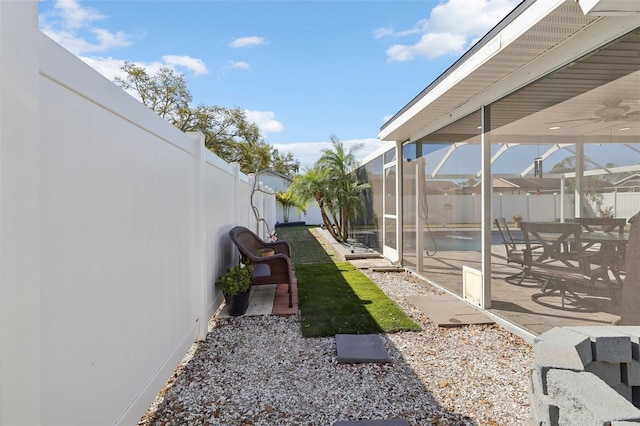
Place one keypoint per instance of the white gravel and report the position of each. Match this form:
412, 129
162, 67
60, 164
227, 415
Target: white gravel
261, 371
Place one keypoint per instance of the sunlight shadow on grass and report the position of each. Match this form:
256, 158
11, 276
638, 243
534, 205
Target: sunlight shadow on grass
336, 298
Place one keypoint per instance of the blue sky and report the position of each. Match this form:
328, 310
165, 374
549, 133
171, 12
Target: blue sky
302, 70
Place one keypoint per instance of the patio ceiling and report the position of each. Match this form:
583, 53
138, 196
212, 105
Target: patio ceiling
589, 96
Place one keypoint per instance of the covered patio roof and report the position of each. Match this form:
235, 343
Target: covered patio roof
588, 94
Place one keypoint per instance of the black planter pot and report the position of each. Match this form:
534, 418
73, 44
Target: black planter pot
237, 304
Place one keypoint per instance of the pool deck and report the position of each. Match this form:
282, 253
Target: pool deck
511, 303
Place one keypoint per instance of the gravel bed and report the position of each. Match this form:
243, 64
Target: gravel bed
261, 371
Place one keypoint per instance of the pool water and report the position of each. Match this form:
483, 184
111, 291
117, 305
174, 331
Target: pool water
457, 240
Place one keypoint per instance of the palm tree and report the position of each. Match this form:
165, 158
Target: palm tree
340, 193
311, 187
288, 199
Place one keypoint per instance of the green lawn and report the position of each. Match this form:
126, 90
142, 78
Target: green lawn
336, 298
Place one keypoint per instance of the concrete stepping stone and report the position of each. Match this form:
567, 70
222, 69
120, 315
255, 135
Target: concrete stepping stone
388, 422
361, 348
449, 311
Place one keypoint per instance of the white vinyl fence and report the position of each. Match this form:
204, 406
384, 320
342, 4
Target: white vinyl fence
113, 231
456, 209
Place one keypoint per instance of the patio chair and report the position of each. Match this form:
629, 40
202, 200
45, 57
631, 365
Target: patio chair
614, 254
559, 269
274, 269
514, 250
601, 224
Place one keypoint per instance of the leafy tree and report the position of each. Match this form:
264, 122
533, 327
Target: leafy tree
284, 164
227, 132
591, 184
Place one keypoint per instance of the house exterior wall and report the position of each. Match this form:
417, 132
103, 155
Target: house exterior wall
112, 237
499, 110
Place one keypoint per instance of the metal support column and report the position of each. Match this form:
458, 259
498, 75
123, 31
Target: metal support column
579, 188
487, 192
420, 182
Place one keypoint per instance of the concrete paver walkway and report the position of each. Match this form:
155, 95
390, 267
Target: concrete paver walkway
449, 311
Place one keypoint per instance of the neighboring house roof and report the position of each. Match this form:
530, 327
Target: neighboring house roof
441, 186
530, 183
274, 180
276, 174
628, 184
633, 180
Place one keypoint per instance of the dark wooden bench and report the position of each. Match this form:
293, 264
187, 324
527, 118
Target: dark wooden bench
274, 269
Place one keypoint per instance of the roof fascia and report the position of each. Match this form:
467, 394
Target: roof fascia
274, 173
596, 35
523, 17
609, 7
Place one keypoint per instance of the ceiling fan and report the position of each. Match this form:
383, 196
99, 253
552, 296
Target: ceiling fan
612, 111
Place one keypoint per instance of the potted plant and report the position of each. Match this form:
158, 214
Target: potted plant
264, 252
517, 218
235, 284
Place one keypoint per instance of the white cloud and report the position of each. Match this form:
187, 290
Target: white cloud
69, 24
108, 67
72, 26
452, 28
75, 16
383, 32
247, 42
240, 65
309, 152
193, 64
265, 121
431, 45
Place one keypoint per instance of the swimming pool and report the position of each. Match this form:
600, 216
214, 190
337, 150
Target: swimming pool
454, 239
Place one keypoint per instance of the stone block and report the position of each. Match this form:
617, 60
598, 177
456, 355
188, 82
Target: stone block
543, 411
609, 373
624, 391
545, 414
630, 372
537, 382
633, 332
608, 343
583, 399
562, 348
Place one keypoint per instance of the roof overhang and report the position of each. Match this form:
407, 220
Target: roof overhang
535, 39
609, 7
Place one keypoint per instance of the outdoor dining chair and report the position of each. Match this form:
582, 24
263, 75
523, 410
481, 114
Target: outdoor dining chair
558, 268
606, 253
601, 224
514, 250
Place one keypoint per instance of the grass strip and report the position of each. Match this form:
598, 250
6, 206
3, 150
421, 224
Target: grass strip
336, 298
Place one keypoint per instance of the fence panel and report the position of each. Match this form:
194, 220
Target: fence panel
120, 287
132, 219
